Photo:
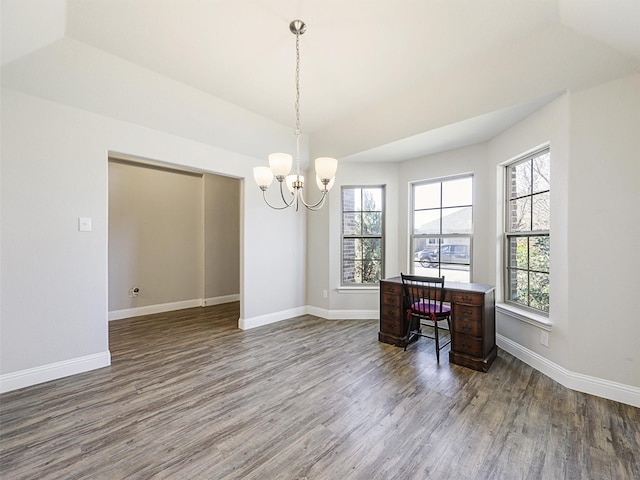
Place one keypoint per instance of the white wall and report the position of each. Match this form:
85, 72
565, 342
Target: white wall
604, 231
222, 237
54, 278
156, 236
549, 125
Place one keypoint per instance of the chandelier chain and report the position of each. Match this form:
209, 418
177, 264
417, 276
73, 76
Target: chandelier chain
298, 132
297, 105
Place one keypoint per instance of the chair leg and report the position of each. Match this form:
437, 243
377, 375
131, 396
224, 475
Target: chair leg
407, 337
435, 326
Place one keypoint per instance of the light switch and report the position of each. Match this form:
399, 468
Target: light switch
84, 224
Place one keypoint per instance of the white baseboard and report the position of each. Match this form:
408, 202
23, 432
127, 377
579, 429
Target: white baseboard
247, 323
53, 371
220, 300
343, 314
169, 307
260, 320
150, 309
599, 387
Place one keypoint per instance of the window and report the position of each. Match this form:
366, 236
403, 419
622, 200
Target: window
442, 228
362, 238
527, 231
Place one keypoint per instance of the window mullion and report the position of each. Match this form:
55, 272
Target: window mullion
440, 216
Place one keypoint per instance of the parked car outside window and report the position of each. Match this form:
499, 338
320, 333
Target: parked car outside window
448, 254
424, 255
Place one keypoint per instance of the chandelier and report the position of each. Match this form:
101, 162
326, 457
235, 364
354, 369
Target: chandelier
280, 163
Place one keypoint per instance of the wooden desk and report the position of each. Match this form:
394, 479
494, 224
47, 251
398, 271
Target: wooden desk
473, 325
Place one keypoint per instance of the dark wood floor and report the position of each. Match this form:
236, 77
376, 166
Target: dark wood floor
190, 396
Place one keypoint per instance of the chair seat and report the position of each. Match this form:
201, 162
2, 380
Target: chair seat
427, 308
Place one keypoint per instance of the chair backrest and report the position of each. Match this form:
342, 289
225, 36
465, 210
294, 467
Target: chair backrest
426, 290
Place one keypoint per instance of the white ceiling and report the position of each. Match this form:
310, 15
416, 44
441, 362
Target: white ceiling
380, 79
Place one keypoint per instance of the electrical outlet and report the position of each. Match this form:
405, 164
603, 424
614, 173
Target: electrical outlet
544, 338
325, 294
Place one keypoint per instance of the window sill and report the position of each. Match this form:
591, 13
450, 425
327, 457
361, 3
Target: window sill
528, 317
359, 289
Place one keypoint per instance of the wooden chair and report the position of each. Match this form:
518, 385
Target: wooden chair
422, 297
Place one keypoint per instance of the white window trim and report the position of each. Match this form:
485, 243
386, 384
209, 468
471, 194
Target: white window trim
412, 236
525, 316
512, 308
358, 289
362, 287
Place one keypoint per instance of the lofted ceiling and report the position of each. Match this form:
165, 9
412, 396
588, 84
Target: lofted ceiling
380, 79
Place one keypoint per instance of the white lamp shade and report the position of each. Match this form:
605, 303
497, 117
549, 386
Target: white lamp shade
321, 186
293, 178
326, 167
263, 176
280, 164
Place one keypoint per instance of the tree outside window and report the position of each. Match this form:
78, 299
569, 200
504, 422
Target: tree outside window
527, 231
362, 238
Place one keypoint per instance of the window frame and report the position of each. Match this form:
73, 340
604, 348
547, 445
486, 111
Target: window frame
439, 236
529, 234
381, 236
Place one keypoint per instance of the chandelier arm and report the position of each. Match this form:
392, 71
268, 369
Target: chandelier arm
316, 205
285, 206
284, 200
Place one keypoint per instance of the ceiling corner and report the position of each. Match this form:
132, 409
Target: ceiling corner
614, 22
46, 21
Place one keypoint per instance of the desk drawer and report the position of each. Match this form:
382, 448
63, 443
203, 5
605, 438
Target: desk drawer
391, 326
467, 312
466, 344
391, 300
394, 288
390, 312
467, 298
467, 327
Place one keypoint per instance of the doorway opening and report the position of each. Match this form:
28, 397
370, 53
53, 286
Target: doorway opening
173, 236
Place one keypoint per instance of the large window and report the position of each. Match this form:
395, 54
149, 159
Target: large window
362, 235
527, 231
442, 228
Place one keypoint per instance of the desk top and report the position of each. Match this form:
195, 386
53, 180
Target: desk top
454, 286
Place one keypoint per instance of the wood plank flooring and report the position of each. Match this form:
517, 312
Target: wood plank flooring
189, 396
